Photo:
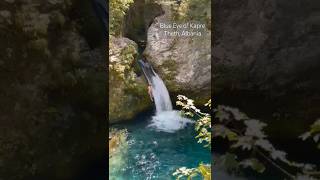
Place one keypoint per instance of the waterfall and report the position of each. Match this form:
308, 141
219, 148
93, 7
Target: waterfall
166, 119
159, 90
160, 95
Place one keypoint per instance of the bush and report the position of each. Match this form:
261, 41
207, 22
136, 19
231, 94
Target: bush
117, 9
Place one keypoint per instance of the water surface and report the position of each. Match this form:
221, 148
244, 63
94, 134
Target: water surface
154, 154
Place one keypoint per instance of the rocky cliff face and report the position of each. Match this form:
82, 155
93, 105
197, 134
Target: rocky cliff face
138, 18
266, 58
184, 63
127, 93
52, 89
268, 46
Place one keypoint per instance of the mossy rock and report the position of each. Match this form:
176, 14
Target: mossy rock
128, 94
183, 62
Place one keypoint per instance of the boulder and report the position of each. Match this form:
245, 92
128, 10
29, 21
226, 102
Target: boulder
183, 62
127, 93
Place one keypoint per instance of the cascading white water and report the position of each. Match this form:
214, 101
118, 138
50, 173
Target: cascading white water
166, 119
160, 95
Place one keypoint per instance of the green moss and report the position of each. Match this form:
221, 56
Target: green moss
192, 10
128, 94
129, 50
118, 9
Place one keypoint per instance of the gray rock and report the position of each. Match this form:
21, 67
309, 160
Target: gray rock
5, 14
10, 1
51, 95
184, 63
271, 46
127, 93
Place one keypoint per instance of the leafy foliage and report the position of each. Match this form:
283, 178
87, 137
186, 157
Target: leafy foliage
203, 169
253, 163
203, 127
117, 10
192, 10
121, 60
313, 133
203, 124
246, 136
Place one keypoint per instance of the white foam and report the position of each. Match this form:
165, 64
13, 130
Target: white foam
166, 119
169, 121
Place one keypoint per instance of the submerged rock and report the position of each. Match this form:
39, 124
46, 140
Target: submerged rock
117, 139
118, 147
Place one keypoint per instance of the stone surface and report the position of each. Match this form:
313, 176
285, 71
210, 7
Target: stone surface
266, 61
52, 91
184, 63
270, 46
127, 93
138, 18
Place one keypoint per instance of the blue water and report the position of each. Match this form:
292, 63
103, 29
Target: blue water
156, 155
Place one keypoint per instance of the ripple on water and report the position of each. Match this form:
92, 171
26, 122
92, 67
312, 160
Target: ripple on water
156, 150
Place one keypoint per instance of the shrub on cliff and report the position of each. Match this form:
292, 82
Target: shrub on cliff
117, 9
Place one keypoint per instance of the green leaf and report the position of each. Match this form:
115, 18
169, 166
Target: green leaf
316, 137
205, 171
254, 128
229, 160
232, 136
305, 136
224, 132
315, 127
245, 142
253, 163
52, 110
